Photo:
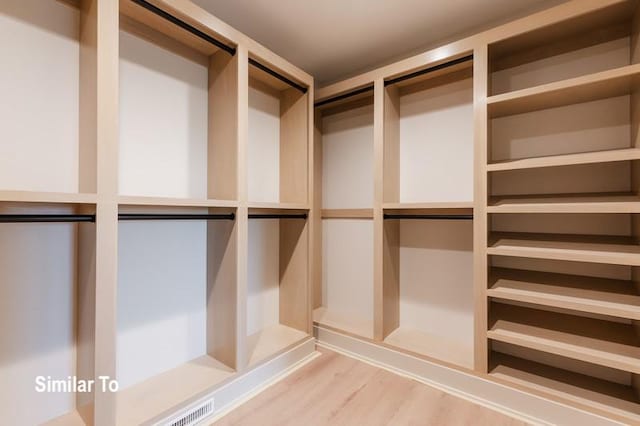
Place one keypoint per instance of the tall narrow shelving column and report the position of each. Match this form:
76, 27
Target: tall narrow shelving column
105, 19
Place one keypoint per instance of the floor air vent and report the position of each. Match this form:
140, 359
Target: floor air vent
191, 415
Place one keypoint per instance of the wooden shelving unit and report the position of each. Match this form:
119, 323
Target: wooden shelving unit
554, 197
344, 196
140, 116
563, 195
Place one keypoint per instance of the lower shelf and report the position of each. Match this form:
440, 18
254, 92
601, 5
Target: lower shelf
350, 324
270, 340
437, 347
147, 399
557, 383
600, 342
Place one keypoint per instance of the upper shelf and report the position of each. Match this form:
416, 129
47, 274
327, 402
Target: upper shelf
567, 160
47, 197
566, 203
617, 250
601, 85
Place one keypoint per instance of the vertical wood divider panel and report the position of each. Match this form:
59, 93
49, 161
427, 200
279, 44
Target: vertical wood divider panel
222, 297
391, 229
635, 165
378, 219
242, 215
314, 222
294, 274
316, 212
391, 192
88, 113
223, 126
480, 93
294, 184
106, 14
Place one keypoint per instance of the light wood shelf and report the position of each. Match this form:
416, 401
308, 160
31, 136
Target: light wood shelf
271, 340
566, 203
580, 293
606, 343
566, 160
278, 206
173, 202
47, 197
144, 401
618, 250
351, 324
428, 206
605, 84
547, 381
347, 213
429, 345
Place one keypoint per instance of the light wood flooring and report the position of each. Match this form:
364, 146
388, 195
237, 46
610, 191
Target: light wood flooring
337, 390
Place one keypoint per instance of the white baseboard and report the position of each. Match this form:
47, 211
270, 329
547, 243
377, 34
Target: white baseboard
527, 407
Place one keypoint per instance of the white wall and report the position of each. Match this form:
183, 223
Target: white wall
572, 64
162, 286
264, 146
436, 144
263, 294
347, 267
436, 278
347, 159
37, 323
39, 87
163, 122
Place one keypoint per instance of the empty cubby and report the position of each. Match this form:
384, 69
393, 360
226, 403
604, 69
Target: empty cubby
48, 88
178, 99
278, 153
428, 288
277, 306
47, 308
177, 308
428, 140
591, 43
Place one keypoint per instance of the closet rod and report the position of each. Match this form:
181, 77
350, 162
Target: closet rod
193, 30
39, 218
430, 216
144, 216
277, 75
428, 70
344, 96
277, 216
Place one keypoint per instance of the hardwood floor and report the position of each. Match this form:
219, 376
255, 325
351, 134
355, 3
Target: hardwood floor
337, 390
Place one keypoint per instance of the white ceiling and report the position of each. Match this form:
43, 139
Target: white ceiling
333, 39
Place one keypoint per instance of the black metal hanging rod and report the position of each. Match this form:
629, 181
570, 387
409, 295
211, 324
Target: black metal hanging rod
430, 216
277, 216
144, 216
48, 218
344, 96
428, 70
193, 30
277, 75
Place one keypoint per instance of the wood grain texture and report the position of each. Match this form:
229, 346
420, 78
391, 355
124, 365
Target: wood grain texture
336, 390
223, 127
480, 219
294, 149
